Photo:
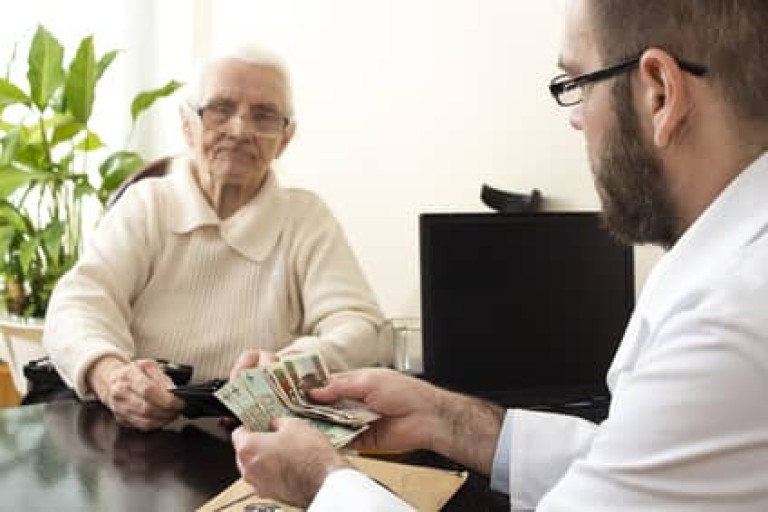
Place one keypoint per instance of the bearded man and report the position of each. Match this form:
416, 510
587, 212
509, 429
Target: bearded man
672, 98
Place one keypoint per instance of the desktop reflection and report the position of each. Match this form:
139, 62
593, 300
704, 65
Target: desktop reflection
73, 456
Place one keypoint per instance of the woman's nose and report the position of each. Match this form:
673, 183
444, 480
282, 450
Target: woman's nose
239, 125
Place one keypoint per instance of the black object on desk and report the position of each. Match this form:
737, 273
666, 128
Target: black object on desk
524, 309
46, 385
200, 401
510, 202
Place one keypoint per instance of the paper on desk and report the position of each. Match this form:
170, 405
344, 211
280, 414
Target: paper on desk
426, 489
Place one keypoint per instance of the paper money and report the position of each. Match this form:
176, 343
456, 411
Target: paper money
258, 395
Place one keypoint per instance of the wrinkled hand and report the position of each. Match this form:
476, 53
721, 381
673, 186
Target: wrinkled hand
137, 392
252, 359
409, 407
288, 464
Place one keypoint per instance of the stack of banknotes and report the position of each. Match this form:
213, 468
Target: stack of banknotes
257, 395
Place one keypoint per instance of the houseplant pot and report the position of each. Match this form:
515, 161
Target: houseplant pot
20, 343
52, 166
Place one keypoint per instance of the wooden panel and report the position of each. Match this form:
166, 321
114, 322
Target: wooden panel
9, 397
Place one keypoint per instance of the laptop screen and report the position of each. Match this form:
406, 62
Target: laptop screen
522, 308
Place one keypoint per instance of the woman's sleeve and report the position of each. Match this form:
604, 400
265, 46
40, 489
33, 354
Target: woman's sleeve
341, 318
90, 310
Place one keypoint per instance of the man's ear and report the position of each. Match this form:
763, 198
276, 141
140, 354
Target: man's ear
289, 133
666, 97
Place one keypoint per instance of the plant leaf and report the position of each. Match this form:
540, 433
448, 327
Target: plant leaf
115, 169
10, 94
27, 253
12, 179
145, 99
81, 81
118, 166
45, 73
58, 102
91, 142
52, 238
11, 216
104, 62
84, 188
10, 144
33, 155
65, 128
7, 234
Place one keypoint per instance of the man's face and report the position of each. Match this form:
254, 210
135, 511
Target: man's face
627, 171
233, 154
630, 180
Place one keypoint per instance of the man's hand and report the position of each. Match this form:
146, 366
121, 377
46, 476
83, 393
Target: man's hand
137, 392
252, 359
289, 464
409, 407
418, 415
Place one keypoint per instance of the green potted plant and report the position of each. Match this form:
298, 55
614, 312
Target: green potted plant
46, 175
53, 165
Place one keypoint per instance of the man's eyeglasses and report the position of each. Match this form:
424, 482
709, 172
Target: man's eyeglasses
570, 91
263, 121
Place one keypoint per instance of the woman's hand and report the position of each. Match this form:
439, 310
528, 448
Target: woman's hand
136, 392
252, 359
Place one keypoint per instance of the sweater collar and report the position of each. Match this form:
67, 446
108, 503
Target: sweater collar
252, 231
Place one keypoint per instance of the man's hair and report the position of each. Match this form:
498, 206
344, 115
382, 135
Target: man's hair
728, 37
251, 53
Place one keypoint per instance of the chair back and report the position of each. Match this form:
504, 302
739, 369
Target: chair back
155, 169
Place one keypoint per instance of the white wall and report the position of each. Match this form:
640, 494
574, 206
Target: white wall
407, 106
404, 106
65, 20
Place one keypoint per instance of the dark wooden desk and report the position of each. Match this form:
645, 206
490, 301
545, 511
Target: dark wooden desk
72, 456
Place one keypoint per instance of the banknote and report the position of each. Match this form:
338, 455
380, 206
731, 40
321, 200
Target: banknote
258, 395
297, 374
241, 402
306, 370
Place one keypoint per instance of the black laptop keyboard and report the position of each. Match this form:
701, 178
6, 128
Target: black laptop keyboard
593, 408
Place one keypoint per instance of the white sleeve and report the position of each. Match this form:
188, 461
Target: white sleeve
688, 426
499, 479
89, 312
347, 490
544, 445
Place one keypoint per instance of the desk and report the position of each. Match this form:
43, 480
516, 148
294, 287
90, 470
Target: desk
72, 456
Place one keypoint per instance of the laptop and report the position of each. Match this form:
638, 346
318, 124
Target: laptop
526, 309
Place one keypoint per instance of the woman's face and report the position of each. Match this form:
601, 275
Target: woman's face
230, 147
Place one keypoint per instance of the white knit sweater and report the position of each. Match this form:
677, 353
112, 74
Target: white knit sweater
164, 277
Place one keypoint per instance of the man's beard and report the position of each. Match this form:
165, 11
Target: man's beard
630, 182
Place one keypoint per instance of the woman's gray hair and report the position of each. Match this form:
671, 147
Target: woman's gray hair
251, 53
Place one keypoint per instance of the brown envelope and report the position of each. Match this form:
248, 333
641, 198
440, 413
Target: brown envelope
426, 489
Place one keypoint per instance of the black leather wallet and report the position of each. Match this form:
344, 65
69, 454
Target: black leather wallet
200, 401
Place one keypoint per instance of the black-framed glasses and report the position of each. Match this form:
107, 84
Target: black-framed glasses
262, 120
569, 91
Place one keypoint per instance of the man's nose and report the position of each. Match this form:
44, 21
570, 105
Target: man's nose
575, 118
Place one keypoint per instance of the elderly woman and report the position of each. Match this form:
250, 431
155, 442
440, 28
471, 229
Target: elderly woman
213, 261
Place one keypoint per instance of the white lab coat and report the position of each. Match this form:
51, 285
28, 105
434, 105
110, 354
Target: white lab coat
688, 424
